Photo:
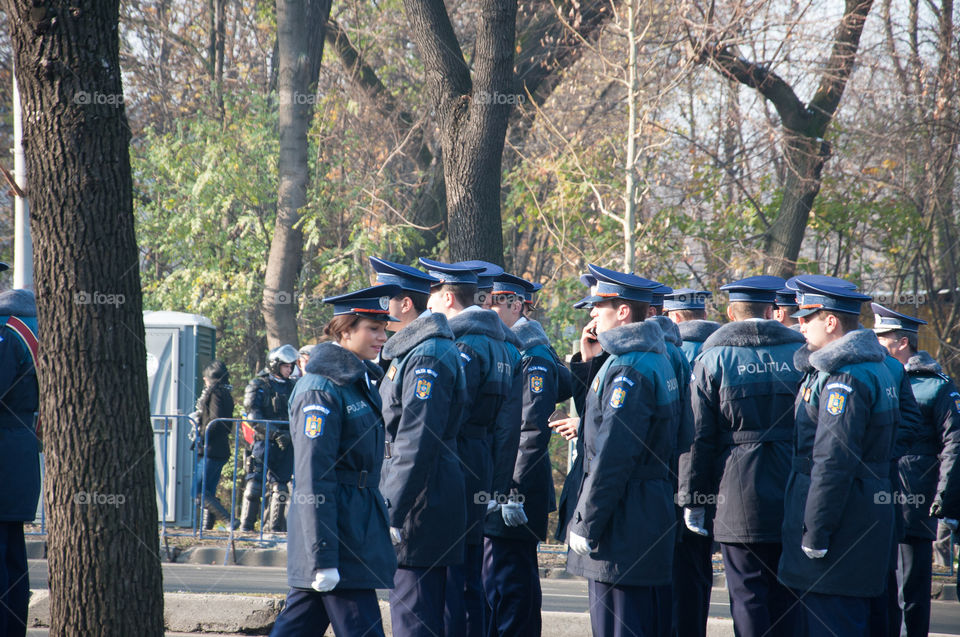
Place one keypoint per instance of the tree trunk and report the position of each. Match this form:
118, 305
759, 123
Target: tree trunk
473, 116
300, 27
803, 159
99, 492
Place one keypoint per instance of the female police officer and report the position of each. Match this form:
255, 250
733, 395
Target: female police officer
339, 547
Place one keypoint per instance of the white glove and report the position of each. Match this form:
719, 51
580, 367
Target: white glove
395, 536
951, 523
325, 579
695, 519
492, 505
513, 514
814, 554
579, 544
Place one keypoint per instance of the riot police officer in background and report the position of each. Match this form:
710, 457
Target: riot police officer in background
265, 398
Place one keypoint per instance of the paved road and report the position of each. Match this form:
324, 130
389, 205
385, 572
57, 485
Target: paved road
558, 594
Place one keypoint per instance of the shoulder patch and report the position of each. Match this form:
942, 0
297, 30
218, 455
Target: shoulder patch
536, 384
465, 356
423, 388
313, 425
618, 397
956, 400
836, 402
624, 379
840, 386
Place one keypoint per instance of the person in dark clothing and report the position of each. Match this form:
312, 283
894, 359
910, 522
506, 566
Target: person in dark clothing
838, 513
744, 387
213, 440
266, 398
339, 548
928, 470
19, 452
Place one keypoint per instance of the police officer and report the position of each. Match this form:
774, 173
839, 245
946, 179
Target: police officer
19, 452
265, 398
511, 573
489, 379
339, 547
621, 533
838, 517
744, 387
657, 298
929, 471
486, 273
423, 393
786, 306
688, 309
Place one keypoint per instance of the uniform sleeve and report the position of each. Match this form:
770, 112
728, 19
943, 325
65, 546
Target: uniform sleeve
316, 420
506, 436
221, 406
911, 420
427, 390
539, 400
253, 397
947, 415
581, 377
845, 409
705, 402
616, 449
474, 372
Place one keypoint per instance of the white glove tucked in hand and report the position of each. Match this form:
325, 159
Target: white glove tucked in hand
492, 505
814, 554
579, 544
325, 579
695, 519
513, 514
395, 536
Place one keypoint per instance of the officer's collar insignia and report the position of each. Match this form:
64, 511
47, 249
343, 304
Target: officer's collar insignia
596, 383
807, 392
836, 402
392, 371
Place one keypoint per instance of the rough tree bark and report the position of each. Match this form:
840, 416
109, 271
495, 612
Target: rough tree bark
804, 149
99, 493
473, 114
300, 27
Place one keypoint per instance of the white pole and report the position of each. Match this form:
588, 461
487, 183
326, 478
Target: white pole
22, 244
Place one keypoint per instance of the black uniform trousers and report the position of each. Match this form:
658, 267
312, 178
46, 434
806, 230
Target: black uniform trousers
759, 604
914, 572
464, 614
692, 581
511, 581
629, 611
835, 615
416, 601
353, 613
14, 583
885, 613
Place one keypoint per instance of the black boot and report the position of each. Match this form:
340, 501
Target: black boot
209, 518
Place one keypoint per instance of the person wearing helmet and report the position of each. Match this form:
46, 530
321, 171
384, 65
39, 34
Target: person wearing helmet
339, 548
266, 398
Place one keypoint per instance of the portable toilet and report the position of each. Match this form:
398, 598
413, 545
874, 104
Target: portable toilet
179, 346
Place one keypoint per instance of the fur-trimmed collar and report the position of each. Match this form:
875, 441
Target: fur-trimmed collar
510, 337
433, 325
697, 330
20, 303
859, 346
923, 362
671, 333
531, 334
752, 334
645, 336
336, 363
477, 321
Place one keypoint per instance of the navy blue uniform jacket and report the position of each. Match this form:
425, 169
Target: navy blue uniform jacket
839, 491
338, 518
423, 393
